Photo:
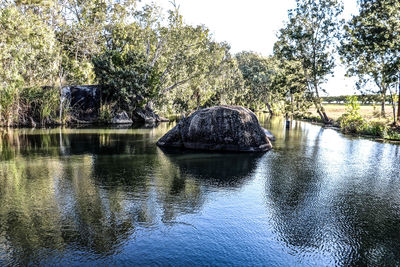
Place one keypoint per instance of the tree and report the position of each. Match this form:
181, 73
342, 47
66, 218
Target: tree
371, 45
28, 58
180, 65
309, 37
257, 72
289, 84
127, 79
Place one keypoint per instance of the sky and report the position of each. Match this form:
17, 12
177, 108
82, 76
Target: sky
252, 25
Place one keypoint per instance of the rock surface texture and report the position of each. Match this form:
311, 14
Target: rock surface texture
147, 115
220, 128
121, 118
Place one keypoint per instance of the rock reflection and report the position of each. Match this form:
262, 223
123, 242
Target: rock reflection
191, 175
228, 170
58, 142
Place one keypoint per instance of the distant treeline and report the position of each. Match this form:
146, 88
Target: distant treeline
363, 99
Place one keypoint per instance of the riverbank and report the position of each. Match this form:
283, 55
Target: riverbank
378, 129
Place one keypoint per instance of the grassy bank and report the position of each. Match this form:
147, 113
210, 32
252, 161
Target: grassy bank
355, 119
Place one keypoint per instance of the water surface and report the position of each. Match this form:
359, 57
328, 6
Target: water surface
111, 197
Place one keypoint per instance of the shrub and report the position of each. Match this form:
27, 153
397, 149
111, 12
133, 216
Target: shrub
351, 121
105, 113
375, 129
40, 103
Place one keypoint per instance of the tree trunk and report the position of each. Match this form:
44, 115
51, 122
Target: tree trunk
61, 105
383, 114
326, 119
398, 104
292, 103
321, 111
318, 104
61, 101
269, 108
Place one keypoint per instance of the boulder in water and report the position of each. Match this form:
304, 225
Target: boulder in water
147, 115
220, 128
121, 118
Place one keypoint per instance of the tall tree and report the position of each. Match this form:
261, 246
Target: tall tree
178, 64
257, 73
289, 84
371, 44
28, 58
309, 37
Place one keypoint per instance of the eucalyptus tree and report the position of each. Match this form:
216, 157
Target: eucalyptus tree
309, 37
257, 72
289, 84
217, 80
179, 63
371, 45
190, 59
28, 58
229, 83
80, 32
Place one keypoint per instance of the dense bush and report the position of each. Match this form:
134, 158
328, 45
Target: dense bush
351, 121
40, 104
374, 128
126, 78
28, 59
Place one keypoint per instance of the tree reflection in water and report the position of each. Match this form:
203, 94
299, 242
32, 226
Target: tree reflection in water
338, 202
69, 191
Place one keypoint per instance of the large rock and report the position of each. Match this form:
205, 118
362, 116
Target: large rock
121, 118
227, 128
84, 102
270, 136
147, 115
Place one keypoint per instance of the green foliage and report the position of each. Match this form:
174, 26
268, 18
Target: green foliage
78, 72
142, 56
105, 113
126, 78
370, 45
351, 121
393, 134
39, 103
257, 72
8, 96
309, 38
375, 129
28, 58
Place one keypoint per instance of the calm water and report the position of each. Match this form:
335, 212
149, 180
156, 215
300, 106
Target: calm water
111, 197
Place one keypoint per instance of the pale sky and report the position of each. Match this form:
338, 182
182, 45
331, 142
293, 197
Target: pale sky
252, 25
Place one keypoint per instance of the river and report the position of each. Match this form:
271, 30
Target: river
111, 197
